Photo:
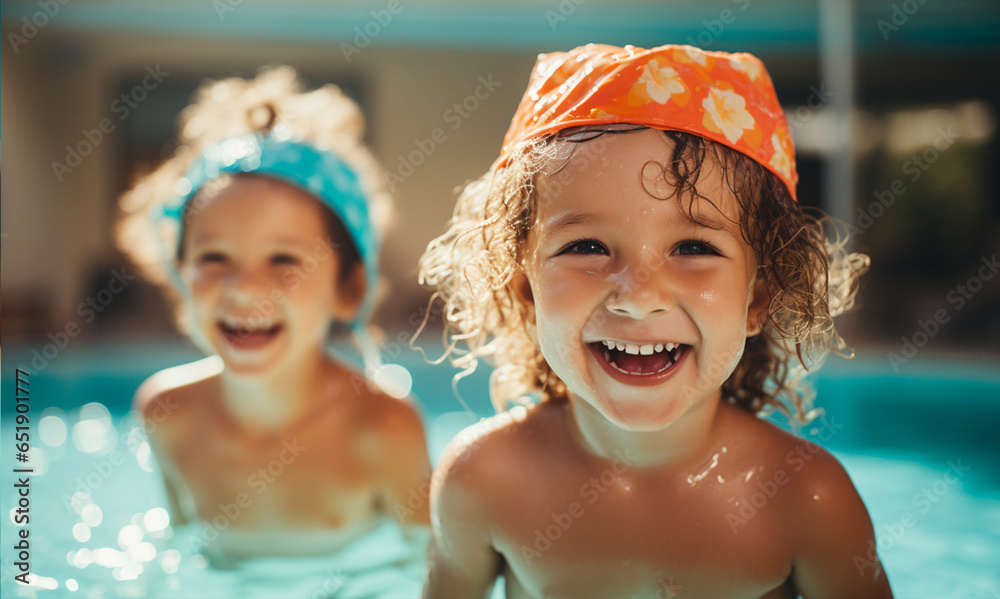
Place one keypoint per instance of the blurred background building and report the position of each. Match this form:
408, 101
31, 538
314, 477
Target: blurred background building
893, 103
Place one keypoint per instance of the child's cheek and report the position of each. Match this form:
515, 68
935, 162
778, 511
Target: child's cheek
198, 316
290, 280
201, 282
304, 292
738, 345
725, 306
198, 279
561, 312
557, 299
558, 352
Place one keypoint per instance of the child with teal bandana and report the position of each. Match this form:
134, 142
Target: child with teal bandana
265, 225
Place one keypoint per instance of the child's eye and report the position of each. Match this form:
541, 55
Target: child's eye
212, 258
584, 246
696, 247
284, 260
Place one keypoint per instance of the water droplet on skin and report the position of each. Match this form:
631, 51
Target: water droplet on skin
692, 479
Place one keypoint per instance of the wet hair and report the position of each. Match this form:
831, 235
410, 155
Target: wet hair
810, 278
226, 108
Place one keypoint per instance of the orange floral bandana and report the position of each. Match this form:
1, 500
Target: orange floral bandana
727, 98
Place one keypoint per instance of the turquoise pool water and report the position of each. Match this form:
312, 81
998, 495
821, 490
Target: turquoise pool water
922, 450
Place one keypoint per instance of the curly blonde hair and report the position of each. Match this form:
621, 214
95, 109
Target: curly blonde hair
226, 108
809, 277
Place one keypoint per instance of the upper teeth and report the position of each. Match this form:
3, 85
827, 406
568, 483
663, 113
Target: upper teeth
637, 349
235, 323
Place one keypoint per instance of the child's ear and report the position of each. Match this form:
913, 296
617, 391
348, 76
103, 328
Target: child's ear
351, 291
760, 300
521, 288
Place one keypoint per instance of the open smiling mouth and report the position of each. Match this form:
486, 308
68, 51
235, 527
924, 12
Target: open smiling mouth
639, 364
239, 336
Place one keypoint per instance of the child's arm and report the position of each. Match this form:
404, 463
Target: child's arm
407, 467
177, 517
462, 563
836, 550
156, 405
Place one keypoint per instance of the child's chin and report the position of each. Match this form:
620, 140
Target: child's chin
643, 416
249, 366
245, 370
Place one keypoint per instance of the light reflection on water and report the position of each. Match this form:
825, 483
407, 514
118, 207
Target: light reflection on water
99, 529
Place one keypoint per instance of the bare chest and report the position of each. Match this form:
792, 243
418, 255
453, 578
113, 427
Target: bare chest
625, 536
313, 479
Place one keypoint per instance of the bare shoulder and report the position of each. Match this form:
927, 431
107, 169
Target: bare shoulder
767, 440
171, 392
395, 421
391, 415
487, 453
825, 518
472, 470
820, 486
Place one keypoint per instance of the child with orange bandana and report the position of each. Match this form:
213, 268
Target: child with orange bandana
636, 262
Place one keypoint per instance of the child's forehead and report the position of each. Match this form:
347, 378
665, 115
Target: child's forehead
256, 201
253, 193
629, 165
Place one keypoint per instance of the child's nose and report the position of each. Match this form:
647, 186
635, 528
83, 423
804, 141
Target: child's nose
641, 292
246, 284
